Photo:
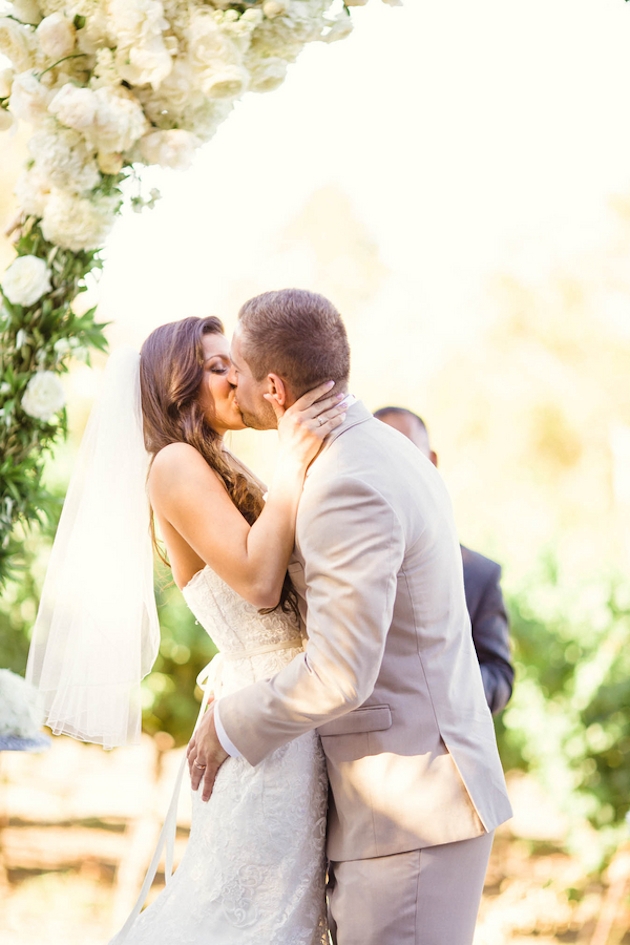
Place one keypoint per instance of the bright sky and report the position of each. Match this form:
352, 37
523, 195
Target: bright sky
471, 137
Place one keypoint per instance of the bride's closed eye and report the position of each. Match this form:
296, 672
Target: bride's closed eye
218, 366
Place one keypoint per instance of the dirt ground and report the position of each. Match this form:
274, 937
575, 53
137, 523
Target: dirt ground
78, 827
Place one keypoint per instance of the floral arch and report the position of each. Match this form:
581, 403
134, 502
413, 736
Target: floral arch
107, 86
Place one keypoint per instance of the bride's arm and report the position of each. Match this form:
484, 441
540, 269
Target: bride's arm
188, 494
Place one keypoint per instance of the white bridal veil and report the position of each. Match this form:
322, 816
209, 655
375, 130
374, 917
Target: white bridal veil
97, 631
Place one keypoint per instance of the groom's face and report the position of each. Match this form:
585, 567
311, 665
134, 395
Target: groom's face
255, 410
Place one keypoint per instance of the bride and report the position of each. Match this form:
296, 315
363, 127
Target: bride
253, 870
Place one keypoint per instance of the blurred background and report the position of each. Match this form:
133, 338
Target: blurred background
456, 178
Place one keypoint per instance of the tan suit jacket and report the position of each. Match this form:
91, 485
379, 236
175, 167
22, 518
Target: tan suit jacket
389, 675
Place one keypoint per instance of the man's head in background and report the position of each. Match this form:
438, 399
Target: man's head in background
410, 425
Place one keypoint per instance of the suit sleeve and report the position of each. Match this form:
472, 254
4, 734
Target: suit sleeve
490, 632
352, 544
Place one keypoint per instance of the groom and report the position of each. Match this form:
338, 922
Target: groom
389, 675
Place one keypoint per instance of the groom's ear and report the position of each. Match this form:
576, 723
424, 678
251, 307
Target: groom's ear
278, 389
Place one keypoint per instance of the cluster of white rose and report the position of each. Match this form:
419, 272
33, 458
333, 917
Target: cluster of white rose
109, 83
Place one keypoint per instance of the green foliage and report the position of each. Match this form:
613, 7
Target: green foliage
43, 336
569, 718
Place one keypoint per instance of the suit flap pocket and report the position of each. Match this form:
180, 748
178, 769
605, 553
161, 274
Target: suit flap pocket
368, 718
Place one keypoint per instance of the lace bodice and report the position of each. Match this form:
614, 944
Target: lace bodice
251, 645
236, 626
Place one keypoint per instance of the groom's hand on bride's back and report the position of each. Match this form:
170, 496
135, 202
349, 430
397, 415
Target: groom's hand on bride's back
205, 755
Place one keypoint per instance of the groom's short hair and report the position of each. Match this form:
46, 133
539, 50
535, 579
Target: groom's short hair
296, 334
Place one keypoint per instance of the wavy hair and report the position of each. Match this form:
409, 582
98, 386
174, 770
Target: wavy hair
171, 373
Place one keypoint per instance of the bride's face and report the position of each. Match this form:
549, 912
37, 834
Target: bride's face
216, 394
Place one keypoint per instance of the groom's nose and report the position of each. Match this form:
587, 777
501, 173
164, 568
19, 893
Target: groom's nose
232, 376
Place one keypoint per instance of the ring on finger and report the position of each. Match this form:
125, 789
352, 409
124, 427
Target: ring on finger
197, 765
321, 420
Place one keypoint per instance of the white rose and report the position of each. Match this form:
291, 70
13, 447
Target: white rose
273, 8
205, 119
6, 119
74, 107
56, 35
27, 11
26, 280
32, 191
226, 81
137, 27
267, 74
174, 148
207, 43
65, 158
340, 28
173, 95
144, 65
6, 81
16, 43
29, 98
76, 223
43, 396
119, 120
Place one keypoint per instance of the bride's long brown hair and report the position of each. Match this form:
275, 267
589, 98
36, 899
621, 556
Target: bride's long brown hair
171, 372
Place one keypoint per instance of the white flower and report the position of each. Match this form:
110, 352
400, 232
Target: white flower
27, 11
141, 54
6, 119
20, 339
74, 107
62, 347
119, 120
26, 280
6, 81
173, 148
43, 396
29, 98
104, 72
228, 81
111, 119
93, 37
165, 106
340, 28
65, 158
215, 59
266, 74
20, 713
77, 223
16, 43
56, 35
32, 191
273, 8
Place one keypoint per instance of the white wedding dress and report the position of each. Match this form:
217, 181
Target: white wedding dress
254, 867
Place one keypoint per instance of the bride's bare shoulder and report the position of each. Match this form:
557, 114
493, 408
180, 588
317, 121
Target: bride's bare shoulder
179, 464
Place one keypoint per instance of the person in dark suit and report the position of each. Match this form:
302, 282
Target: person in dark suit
482, 576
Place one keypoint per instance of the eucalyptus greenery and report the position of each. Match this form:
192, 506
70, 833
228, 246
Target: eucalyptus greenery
44, 336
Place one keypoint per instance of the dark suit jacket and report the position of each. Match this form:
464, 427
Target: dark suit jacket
490, 630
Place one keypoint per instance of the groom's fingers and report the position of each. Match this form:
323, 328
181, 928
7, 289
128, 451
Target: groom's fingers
208, 781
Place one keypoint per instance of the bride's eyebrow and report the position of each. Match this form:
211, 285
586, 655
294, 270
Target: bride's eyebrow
224, 357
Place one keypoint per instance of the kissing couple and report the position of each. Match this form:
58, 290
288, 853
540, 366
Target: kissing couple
346, 737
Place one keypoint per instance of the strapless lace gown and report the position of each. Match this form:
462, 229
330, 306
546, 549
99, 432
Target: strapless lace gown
254, 866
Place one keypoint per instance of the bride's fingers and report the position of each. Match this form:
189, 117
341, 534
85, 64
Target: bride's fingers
309, 398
